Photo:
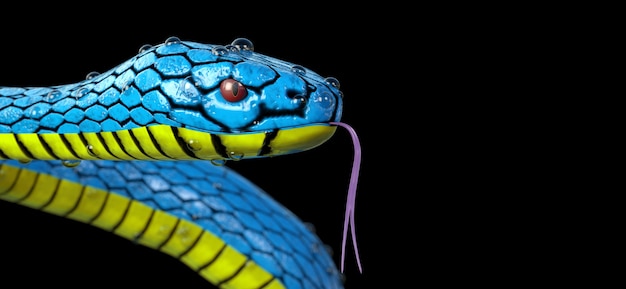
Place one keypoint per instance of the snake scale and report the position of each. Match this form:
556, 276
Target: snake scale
139, 151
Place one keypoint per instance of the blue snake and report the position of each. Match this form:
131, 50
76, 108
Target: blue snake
139, 151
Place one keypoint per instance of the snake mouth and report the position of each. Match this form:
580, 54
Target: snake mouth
163, 142
275, 142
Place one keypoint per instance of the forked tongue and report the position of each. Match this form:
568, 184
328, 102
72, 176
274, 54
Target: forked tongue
351, 199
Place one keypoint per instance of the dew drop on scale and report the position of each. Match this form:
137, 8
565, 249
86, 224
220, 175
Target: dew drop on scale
235, 156
144, 48
172, 40
53, 95
219, 50
297, 69
243, 44
91, 150
92, 74
188, 87
194, 145
334, 82
218, 162
70, 163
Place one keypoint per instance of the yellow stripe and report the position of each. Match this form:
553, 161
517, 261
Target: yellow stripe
10, 147
96, 147
112, 213
162, 145
226, 264
184, 236
168, 142
79, 147
143, 136
159, 230
251, 276
203, 252
23, 185
34, 145
300, 139
130, 146
200, 143
58, 147
275, 284
135, 220
243, 145
114, 146
68, 194
183, 239
89, 205
8, 177
42, 192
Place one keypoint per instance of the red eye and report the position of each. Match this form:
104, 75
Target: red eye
233, 90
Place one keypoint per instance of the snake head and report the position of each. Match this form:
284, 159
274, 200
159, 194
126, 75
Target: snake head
235, 92
234, 89
228, 99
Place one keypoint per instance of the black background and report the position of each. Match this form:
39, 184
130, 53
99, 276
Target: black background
58, 48
446, 104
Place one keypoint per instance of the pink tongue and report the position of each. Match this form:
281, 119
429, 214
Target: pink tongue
351, 200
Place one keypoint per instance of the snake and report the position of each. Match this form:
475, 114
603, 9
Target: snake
140, 151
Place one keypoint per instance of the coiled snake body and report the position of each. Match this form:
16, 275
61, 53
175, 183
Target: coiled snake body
123, 151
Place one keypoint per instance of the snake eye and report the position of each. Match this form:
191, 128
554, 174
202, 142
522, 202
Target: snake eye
233, 90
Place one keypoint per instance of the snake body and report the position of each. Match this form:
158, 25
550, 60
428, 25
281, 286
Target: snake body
138, 151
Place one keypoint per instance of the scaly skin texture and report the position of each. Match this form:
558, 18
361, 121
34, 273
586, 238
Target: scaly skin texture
177, 101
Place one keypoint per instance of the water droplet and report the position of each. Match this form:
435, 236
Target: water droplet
81, 92
71, 163
298, 70
192, 81
232, 48
243, 44
334, 82
53, 95
172, 40
194, 145
144, 48
218, 162
127, 85
187, 87
299, 99
91, 150
219, 50
92, 74
26, 161
256, 122
236, 156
